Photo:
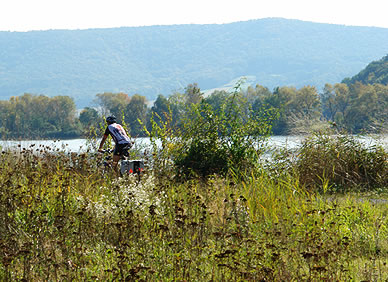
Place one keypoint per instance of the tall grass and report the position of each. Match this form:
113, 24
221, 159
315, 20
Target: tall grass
61, 220
342, 162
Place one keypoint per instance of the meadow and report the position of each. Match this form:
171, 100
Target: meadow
210, 206
317, 213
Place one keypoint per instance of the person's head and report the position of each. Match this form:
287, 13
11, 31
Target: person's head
111, 119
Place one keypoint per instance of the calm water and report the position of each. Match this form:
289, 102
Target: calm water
80, 145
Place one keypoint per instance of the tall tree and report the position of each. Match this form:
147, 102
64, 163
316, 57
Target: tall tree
217, 99
89, 117
193, 94
136, 110
335, 102
161, 106
31, 116
112, 103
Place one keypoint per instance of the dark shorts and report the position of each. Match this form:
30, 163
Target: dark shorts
119, 149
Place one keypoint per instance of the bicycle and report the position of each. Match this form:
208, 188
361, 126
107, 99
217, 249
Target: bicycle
126, 165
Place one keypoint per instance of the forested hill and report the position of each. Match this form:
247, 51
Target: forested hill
375, 72
162, 59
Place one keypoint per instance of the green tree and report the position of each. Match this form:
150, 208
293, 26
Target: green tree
280, 99
177, 102
161, 106
374, 73
217, 99
304, 111
257, 94
335, 102
159, 111
39, 116
30, 116
4, 112
112, 103
193, 94
356, 107
89, 117
363, 108
61, 113
136, 110
380, 119
299, 109
220, 142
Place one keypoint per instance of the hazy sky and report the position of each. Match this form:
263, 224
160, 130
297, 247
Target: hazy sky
24, 15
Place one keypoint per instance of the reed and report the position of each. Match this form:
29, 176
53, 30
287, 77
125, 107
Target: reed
343, 162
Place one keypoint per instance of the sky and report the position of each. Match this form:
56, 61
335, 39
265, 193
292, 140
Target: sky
26, 15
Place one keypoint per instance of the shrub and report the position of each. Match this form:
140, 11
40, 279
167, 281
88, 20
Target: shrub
341, 162
228, 140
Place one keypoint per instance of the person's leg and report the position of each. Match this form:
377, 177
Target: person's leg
116, 159
117, 153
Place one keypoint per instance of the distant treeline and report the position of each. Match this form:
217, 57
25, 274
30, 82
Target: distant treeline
355, 108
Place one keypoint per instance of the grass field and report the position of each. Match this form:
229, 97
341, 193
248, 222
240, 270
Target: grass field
61, 220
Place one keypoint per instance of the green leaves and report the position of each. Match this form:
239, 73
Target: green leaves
356, 107
31, 116
220, 140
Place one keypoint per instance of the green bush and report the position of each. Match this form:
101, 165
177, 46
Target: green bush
222, 140
228, 140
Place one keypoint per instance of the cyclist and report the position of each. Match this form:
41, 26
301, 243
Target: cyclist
120, 138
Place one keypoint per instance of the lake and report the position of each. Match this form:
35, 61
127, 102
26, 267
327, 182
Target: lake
81, 145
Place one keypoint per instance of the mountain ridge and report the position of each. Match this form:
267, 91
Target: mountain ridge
154, 60
375, 72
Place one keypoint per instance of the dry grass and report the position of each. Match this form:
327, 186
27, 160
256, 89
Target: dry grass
60, 220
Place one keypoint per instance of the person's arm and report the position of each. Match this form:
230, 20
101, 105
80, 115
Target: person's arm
102, 142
